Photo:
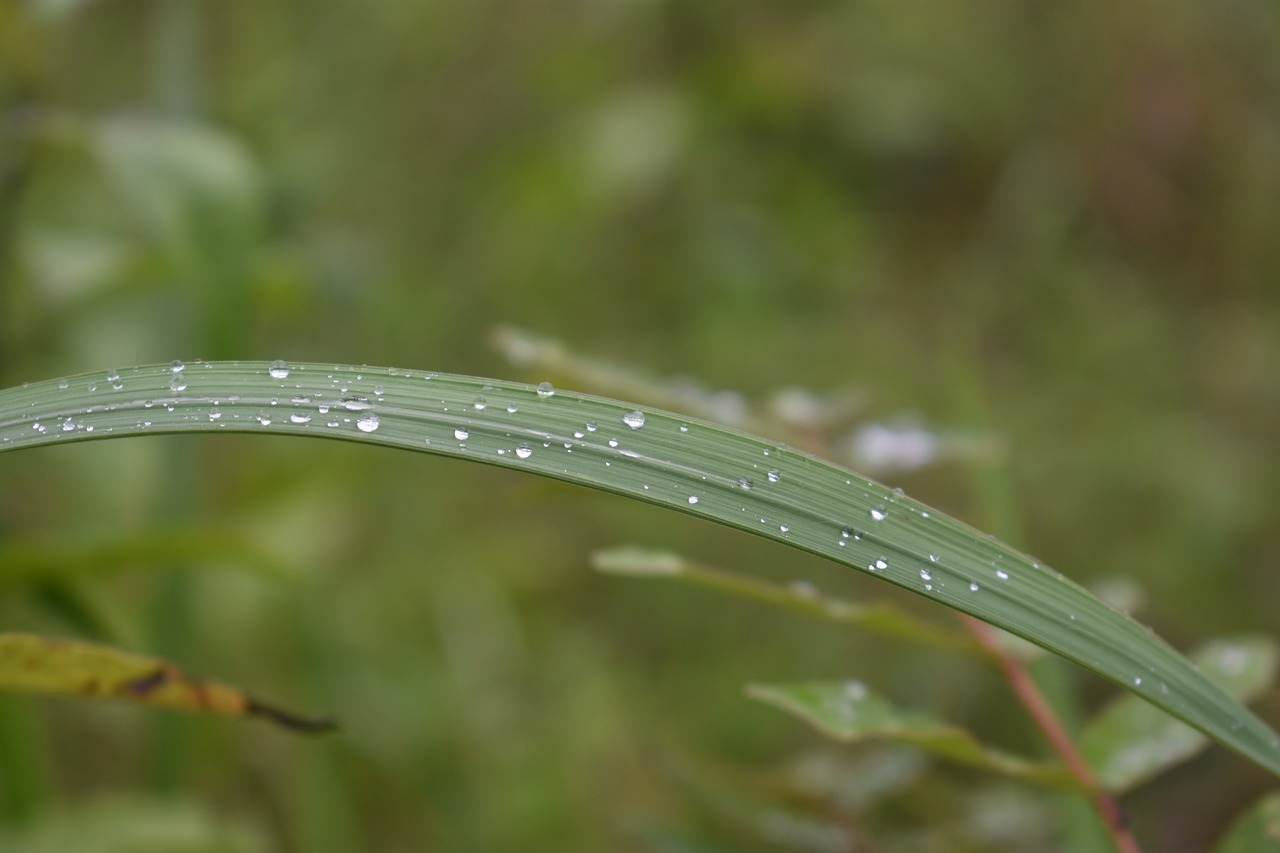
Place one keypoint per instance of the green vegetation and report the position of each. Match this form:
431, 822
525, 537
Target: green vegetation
1029, 251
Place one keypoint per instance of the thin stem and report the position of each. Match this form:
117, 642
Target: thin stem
1020, 681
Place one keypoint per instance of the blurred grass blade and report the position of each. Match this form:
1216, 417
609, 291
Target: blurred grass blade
849, 712
879, 618
1257, 832
713, 472
31, 664
1130, 741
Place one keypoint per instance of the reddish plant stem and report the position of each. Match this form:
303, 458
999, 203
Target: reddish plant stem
1033, 700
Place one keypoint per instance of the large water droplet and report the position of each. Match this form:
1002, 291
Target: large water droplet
300, 418
745, 483
879, 513
479, 404
523, 450
925, 576
278, 369
546, 389
177, 366
774, 476
1002, 574
693, 499
973, 587
461, 434
635, 419
880, 564
177, 383
356, 404
613, 442
367, 422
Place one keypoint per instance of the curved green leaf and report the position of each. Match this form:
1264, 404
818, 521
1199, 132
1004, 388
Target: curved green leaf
720, 474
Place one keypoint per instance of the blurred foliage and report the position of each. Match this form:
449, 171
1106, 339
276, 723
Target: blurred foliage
1050, 221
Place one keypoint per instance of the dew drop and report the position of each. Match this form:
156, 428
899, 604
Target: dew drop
215, 415
300, 418
973, 587
461, 434
925, 576
511, 408
479, 404
613, 442
1137, 681
367, 422
634, 419
523, 451
880, 564
745, 483
1002, 574
774, 476
278, 369
356, 404
591, 427
546, 389
176, 366
68, 425
693, 499
264, 418
63, 385
684, 427
785, 528
933, 558
879, 513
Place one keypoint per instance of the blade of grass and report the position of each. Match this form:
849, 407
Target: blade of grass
720, 474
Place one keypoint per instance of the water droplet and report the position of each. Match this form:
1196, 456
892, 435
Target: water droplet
367, 422
879, 513
378, 391
546, 389
479, 404
613, 442
746, 483
693, 499
178, 383
300, 418
684, 427
785, 528
356, 404
591, 427
264, 418
973, 587
278, 369
215, 415
880, 564
523, 450
63, 385
177, 366
634, 419
933, 558
925, 576
461, 434
68, 425
774, 476
1137, 681
1002, 574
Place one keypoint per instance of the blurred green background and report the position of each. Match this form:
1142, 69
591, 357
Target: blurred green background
1050, 226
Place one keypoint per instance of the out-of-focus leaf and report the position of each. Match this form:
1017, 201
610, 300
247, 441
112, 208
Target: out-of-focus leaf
32, 664
1258, 831
849, 712
1131, 741
135, 826
878, 618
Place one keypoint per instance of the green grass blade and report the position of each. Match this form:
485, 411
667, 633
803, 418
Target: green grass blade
849, 712
1130, 742
699, 468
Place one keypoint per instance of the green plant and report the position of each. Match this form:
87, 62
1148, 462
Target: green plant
719, 474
